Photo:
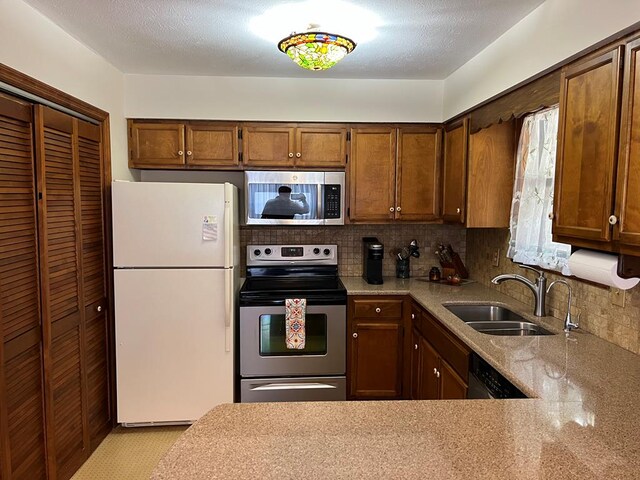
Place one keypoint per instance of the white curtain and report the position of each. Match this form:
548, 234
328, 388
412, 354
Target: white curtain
532, 204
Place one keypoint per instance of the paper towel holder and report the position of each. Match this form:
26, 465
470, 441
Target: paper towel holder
628, 266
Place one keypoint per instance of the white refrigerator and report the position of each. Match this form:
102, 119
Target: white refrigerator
176, 253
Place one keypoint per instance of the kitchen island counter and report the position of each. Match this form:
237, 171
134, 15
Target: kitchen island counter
581, 423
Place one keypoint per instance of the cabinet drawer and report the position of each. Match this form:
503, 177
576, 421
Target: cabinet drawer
374, 308
450, 349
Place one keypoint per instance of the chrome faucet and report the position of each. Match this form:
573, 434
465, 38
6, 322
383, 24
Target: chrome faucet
539, 288
568, 324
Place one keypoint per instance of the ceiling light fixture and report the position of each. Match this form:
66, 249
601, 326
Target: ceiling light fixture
315, 50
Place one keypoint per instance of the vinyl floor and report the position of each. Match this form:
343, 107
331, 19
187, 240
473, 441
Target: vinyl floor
129, 453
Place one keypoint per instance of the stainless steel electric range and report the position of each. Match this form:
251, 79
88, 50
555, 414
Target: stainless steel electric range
269, 371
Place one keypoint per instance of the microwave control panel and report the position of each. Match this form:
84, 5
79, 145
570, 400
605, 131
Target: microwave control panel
332, 207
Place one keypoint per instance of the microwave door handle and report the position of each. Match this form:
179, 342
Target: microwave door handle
320, 203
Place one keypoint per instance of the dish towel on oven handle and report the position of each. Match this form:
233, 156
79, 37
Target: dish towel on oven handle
295, 310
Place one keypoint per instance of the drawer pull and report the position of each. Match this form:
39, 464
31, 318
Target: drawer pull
378, 310
355, 335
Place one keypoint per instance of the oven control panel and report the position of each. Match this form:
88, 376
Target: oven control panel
288, 254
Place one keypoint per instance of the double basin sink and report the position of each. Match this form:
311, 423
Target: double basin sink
496, 320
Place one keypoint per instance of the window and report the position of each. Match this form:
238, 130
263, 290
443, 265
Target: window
532, 205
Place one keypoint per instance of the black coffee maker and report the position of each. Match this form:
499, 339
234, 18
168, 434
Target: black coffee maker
372, 256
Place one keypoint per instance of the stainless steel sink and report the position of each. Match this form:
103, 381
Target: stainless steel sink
496, 320
512, 329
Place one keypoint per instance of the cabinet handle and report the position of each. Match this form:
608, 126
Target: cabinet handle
437, 374
298, 154
398, 209
180, 153
435, 371
290, 154
392, 209
415, 346
458, 210
550, 215
99, 308
413, 316
189, 153
378, 310
613, 220
355, 335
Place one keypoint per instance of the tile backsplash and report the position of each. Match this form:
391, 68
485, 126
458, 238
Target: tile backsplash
619, 325
349, 241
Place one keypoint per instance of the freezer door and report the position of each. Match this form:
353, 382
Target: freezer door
174, 347
172, 225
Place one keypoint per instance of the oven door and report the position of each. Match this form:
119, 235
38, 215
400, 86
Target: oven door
263, 350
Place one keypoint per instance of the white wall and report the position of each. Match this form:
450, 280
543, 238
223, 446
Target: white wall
283, 99
553, 32
32, 44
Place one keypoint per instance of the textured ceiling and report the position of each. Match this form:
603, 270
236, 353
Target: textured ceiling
419, 39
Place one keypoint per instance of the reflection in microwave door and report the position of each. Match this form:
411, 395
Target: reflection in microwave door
286, 204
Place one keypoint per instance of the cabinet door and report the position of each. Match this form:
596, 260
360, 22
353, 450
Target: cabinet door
372, 178
491, 167
324, 147
268, 146
212, 145
587, 147
376, 359
628, 189
22, 442
452, 387
158, 145
418, 174
416, 371
429, 380
454, 173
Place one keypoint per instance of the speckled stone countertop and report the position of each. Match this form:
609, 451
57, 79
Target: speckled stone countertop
582, 422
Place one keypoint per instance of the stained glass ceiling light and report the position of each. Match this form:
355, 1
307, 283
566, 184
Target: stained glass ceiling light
316, 50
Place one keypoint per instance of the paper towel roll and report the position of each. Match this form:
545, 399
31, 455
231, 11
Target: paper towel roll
600, 268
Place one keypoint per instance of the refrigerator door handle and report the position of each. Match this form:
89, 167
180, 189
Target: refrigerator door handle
228, 307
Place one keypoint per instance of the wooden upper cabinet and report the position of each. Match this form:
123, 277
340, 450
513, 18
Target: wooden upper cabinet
454, 173
268, 145
587, 147
179, 145
212, 144
418, 174
394, 174
372, 174
156, 145
628, 189
293, 146
490, 176
321, 147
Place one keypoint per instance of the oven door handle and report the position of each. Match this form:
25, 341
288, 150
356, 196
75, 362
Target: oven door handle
293, 386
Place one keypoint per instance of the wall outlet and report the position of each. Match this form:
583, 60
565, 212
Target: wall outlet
617, 296
496, 258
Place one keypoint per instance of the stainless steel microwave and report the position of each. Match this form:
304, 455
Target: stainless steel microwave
294, 198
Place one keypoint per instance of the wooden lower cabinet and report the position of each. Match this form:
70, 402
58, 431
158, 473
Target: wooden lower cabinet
375, 348
434, 351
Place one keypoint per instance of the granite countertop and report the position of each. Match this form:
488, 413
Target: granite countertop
582, 421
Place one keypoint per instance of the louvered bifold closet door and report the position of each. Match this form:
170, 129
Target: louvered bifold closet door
62, 296
94, 281
22, 443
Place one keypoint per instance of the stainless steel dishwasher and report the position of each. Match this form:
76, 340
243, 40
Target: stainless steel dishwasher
486, 382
